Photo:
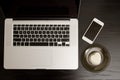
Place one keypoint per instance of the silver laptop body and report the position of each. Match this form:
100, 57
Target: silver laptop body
20, 53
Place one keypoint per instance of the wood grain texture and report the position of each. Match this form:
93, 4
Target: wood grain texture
107, 11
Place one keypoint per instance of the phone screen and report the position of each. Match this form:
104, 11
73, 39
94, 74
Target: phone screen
93, 30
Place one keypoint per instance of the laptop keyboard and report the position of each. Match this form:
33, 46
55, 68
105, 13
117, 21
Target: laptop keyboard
41, 35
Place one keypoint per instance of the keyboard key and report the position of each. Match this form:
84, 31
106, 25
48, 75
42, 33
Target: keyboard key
17, 36
24, 32
20, 32
38, 44
22, 44
29, 36
63, 44
31, 39
23, 39
27, 39
51, 44
14, 28
17, 39
39, 39
64, 40
15, 32
21, 36
18, 43
26, 43
14, 44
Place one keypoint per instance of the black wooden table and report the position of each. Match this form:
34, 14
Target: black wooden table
107, 11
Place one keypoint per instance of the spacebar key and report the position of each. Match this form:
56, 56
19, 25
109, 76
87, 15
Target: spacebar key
38, 44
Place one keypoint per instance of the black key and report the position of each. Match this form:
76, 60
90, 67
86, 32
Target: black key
42, 28
36, 32
41, 36
18, 43
47, 32
28, 32
51, 32
44, 32
14, 28
57, 28
43, 25
32, 32
34, 28
52, 36
38, 44
48, 36
38, 28
65, 40
39, 25
26, 28
20, 32
14, 25
17, 39
50, 28
14, 44
15, 32
51, 39
56, 36
55, 44
18, 28
33, 36
30, 28
16, 36
27, 39
63, 44
46, 39
53, 28
67, 44
37, 36
67, 25
22, 28
45, 36
60, 36
40, 32
54, 40
63, 25
55, 32
25, 36
58, 39
59, 32
61, 28
23, 39
27, 25
55, 25
46, 28
21, 36
22, 44
26, 44
35, 25
23, 25
24, 32
63, 32
39, 39
29, 36
65, 36
67, 32
43, 40
31, 39
35, 39
51, 44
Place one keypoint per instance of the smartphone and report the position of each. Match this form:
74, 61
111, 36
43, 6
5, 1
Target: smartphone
92, 31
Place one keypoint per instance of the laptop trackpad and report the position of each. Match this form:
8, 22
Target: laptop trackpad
44, 60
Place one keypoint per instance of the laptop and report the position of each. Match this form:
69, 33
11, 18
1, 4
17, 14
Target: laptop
41, 34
